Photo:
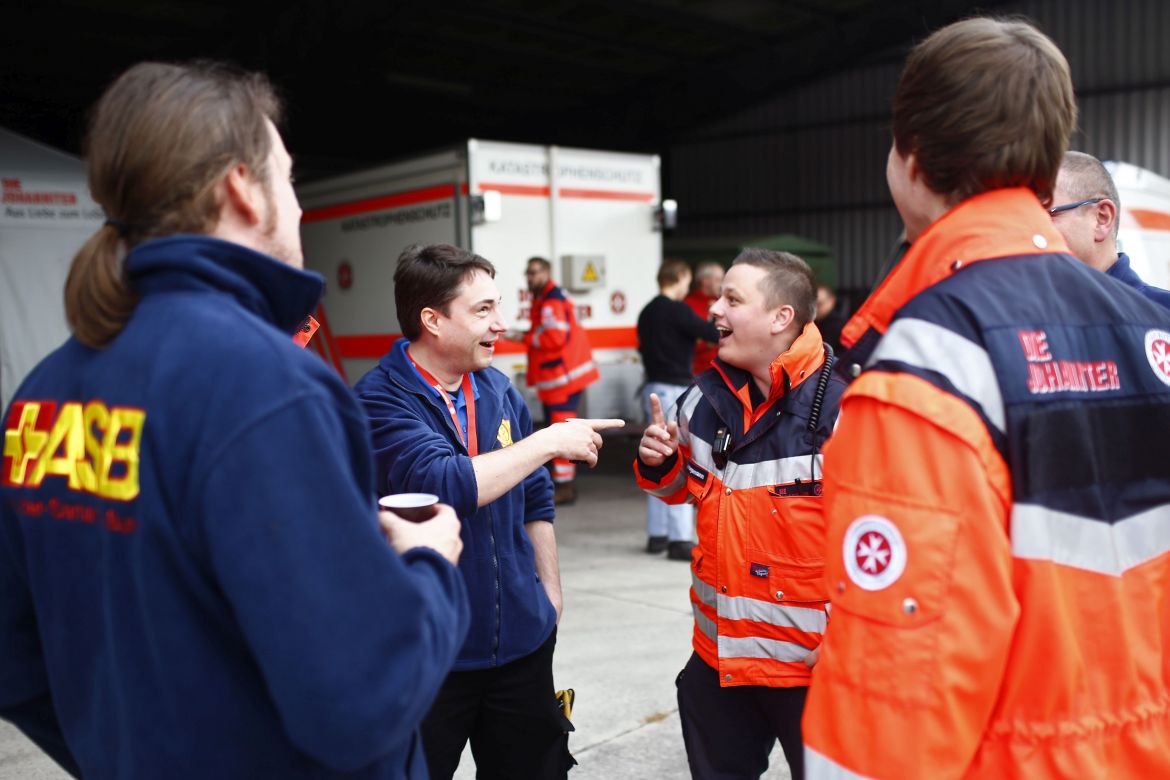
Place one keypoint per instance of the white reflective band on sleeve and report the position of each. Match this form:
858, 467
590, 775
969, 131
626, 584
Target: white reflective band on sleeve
931, 347
743, 608
564, 379
758, 647
819, 767
1070, 540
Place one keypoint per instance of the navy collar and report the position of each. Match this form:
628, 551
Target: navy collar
272, 290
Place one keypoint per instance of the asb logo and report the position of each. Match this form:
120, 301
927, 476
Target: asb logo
1158, 353
94, 447
874, 552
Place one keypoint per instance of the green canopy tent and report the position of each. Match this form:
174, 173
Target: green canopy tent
724, 249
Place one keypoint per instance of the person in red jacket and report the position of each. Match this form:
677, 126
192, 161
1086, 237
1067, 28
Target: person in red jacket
560, 362
708, 281
997, 493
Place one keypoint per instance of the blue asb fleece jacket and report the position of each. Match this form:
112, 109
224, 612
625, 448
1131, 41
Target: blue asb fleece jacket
191, 568
417, 449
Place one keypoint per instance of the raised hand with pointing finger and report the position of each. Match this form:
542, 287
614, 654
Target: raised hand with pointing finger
660, 439
576, 439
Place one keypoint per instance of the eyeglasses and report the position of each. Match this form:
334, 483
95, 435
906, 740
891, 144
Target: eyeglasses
1070, 206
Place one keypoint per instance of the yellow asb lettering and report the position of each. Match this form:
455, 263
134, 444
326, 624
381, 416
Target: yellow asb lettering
65, 448
95, 448
124, 487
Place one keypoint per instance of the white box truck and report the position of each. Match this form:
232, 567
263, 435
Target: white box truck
1144, 232
594, 214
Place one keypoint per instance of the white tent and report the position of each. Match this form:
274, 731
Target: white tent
46, 214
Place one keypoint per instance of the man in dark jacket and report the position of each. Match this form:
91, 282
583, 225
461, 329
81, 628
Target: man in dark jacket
668, 331
445, 422
193, 580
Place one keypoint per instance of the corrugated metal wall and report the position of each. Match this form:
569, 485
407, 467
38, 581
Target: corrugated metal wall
812, 161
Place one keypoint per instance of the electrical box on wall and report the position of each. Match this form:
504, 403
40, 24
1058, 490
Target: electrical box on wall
580, 273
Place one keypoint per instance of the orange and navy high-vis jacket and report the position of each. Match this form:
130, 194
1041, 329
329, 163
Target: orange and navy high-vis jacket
757, 586
560, 360
997, 500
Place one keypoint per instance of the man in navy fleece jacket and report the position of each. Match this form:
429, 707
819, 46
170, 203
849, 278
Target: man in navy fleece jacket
194, 582
446, 422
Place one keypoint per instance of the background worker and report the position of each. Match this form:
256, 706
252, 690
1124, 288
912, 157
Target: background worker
667, 333
1087, 212
708, 280
742, 443
193, 579
995, 502
445, 422
560, 362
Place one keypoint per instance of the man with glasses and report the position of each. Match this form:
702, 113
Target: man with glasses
1086, 211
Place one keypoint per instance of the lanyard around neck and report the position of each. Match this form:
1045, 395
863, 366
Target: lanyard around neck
472, 440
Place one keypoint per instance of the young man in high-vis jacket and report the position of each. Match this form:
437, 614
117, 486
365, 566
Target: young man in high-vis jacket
997, 493
743, 444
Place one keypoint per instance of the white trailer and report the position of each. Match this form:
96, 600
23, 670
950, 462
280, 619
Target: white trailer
594, 214
1144, 232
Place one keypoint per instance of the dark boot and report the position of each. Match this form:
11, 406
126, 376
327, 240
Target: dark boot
679, 551
656, 544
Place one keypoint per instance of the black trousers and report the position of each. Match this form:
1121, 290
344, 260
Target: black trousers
729, 732
511, 716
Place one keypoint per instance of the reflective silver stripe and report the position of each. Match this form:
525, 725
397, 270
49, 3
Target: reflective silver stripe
932, 347
745, 476
683, 415
1070, 540
539, 330
758, 647
700, 453
743, 608
820, 767
705, 624
564, 379
703, 590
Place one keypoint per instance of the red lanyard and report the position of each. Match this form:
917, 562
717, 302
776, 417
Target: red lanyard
472, 440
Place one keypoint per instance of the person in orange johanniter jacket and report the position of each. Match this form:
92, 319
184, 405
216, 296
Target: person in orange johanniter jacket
997, 492
560, 362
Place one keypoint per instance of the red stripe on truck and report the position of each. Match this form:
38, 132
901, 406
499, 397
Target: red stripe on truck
1150, 219
380, 203
567, 192
516, 189
646, 197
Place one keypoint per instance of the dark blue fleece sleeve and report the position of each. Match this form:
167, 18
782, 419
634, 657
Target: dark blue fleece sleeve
411, 455
353, 640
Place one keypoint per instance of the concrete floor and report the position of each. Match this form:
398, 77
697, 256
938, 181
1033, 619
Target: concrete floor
624, 635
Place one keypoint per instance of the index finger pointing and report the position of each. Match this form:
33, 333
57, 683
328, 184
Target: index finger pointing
656, 415
602, 425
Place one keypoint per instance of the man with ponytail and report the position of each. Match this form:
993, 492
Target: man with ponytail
194, 579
